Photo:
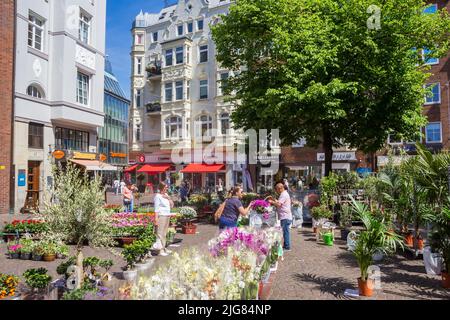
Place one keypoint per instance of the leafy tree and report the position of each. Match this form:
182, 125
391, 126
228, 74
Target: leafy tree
74, 212
313, 68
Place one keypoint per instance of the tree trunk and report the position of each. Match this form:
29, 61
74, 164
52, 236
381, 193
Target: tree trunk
328, 149
80, 272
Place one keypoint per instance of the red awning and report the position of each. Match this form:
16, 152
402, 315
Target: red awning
155, 168
131, 169
203, 168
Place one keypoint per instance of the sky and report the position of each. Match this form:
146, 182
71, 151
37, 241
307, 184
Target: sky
119, 18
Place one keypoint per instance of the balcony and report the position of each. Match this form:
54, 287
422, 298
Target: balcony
153, 107
154, 70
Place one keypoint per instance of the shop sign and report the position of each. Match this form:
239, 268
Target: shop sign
84, 156
103, 157
141, 158
58, 154
22, 178
338, 156
118, 155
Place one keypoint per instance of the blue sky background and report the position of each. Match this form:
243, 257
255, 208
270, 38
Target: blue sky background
119, 18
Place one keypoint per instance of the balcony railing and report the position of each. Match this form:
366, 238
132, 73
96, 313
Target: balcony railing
154, 69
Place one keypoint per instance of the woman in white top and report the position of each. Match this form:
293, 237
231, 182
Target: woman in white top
163, 204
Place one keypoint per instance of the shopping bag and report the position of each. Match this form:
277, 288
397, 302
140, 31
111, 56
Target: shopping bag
157, 245
219, 211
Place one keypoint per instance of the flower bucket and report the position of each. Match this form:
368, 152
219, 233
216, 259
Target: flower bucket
328, 238
189, 229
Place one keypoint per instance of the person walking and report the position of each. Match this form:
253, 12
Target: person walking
116, 185
184, 192
122, 186
127, 194
163, 204
283, 205
233, 209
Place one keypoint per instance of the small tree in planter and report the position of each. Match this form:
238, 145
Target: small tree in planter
106, 276
345, 220
37, 279
320, 214
188, 215
74, 212
376, 238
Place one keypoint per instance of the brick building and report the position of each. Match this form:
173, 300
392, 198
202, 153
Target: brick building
7, 30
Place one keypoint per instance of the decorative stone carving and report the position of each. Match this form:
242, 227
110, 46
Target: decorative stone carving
139, 83
85, 57
176, 73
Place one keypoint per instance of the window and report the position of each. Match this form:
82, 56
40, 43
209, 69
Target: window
83, 88
188, 90
203, 89
138, 132
430, 9
435, 95
425, 56
179, 55
180, 30
35, 136
169, 57
433, 133
35, 32
174, 127
190, 27
179, 90
188, 54
203, 53
222, 83
200, 24
83, 31
69, 139
139, 66
138, 98
155, 36
139, 39
35, 92
224, 123
203, 126
169, 92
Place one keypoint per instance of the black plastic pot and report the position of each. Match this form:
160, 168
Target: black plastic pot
36, 257
344, 234
25, 256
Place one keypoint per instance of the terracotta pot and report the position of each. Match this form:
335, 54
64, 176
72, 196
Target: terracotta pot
365, 287
128, 240
189, 229
419, 243
445, 280
49, 257
409, 239
315, 229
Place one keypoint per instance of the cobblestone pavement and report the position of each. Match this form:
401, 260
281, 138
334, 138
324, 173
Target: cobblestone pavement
314, 271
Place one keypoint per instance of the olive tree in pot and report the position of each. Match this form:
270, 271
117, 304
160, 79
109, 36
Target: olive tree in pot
376, 238
74, 213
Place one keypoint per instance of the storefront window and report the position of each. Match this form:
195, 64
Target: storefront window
69, 139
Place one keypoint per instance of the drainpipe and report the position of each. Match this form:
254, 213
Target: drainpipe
447, 85
12, 185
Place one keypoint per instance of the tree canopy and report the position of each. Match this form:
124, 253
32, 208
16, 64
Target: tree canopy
324, 71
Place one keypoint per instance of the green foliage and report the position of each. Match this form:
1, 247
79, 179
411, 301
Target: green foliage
27, 245
328, 189
188, 213
106, 264
199, 201
321, 212
77, 294
247, 198
63, 266
75, 212
346, 216
313, 69
440, 239
37, 278
137, 251
377, 237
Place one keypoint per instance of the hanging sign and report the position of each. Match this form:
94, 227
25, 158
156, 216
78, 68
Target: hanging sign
84, 156
58, 154
22, 178
103, 157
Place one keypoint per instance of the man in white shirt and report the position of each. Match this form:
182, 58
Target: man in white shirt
163, 204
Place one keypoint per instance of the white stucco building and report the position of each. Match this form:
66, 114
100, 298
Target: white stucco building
59, 81
176, 91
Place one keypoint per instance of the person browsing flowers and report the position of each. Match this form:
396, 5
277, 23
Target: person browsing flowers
233, 208
163, 204
283, 205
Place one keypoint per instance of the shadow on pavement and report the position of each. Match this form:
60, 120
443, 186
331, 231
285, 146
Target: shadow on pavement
334, 286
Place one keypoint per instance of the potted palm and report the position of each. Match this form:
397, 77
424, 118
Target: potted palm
376, 238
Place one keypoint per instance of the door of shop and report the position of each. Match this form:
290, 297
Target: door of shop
33, 186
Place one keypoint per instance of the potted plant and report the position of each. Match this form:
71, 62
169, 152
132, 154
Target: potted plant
14, 251
345, 220
171, 232
37, 279
106, 277
90, 265
374, 239
130, 254
8, 285
63, 266
27, 248
188, 215
49, 251
440, 243
320, 214
62, 251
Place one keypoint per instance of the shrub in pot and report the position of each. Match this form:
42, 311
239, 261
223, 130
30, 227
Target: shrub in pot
62, 251
320, 214
376, 238
37, 279
440, 242
37, 253
345, 220
27, 248
106, 277
49, 249
130, 254
14, 251
63, 266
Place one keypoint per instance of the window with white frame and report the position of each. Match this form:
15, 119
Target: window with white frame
200, 24
222, 83
139, 66
84, 27
83, 88
394, 139
203, 53
224, 122
179, 55
190, 26
179, 90
433, 96
35, 92
174, 127
169, 57
427, 59
433, 132
168, 92
35, 32
203, 126
180, 30
138, 98
155, 36
203, 89
188, 90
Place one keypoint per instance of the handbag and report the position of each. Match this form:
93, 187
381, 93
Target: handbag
219, 211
